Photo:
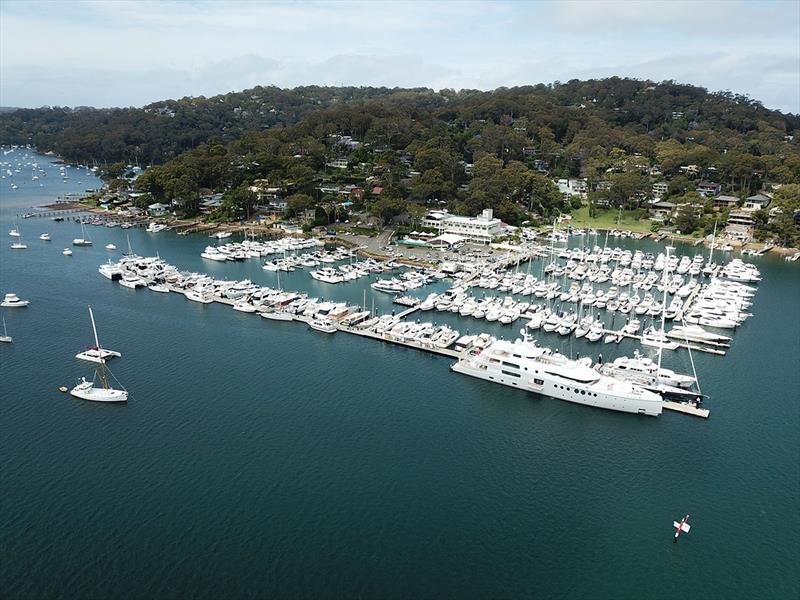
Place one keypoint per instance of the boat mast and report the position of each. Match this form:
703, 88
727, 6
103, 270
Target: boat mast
713, 243
663, 312
102, 369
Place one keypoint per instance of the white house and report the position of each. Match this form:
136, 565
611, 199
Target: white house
572, 187
338, 163
757, 202
157, 209
481, 229
660, 189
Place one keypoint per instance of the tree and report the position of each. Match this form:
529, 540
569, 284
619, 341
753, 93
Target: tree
416, 212
298, 203
387, 208
238, 201
431, 184
114, 170
688, 216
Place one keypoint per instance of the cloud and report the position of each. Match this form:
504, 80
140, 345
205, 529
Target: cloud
130, 53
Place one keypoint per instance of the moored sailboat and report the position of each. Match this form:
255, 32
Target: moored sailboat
5, 337
86, 390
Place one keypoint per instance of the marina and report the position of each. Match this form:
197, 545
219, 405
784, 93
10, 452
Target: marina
277, 304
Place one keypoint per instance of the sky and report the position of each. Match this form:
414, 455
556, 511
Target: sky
126, 53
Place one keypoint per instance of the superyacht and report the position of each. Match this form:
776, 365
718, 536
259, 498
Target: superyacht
524, 365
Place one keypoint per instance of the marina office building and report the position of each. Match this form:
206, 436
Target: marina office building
481, 229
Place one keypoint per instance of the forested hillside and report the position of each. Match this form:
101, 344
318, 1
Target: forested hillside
469, 149
162, 130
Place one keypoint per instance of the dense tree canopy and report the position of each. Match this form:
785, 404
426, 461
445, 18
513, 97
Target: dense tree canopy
468, 150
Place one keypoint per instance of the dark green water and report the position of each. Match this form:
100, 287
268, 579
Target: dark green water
258, 459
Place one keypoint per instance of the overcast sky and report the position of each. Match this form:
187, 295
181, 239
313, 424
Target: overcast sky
121, 53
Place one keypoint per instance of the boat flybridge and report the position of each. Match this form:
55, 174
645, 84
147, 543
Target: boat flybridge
322, 324
525, 365
86, 390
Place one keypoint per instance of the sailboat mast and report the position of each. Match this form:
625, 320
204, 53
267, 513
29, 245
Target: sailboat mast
102, 370
663, 311
94, 329
713, 243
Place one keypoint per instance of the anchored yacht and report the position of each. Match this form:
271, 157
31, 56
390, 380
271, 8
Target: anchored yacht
524, 365
12, 301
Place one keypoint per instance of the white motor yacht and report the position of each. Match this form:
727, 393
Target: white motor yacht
110, 247
276, 315
644, 371
200, 296
12, 301
45, 237
244, 306
322, 324
158, 287
66, 252
657, 339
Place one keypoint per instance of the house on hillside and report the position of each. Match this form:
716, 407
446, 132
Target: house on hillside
572, 187
210, 202
337, 163
157, 209
660, 211
757, 201
724, 201
660, 189
709, 189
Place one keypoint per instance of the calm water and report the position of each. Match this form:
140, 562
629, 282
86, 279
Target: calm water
260, 459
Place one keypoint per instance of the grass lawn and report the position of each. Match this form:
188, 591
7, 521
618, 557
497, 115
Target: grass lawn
607, 219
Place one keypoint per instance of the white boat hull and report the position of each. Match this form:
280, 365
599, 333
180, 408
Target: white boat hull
649, 404
94, 394
85, 390
95, 355
277, 316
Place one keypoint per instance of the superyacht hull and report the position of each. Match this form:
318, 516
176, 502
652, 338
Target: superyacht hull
597, 395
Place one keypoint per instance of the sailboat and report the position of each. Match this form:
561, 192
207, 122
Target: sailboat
275, 314
83, 240
15, 231
19, 244
86, 390
5, 337
657, 337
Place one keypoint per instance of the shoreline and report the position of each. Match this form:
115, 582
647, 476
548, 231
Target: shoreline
200, 225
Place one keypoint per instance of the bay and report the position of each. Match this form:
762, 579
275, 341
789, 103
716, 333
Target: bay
262, 459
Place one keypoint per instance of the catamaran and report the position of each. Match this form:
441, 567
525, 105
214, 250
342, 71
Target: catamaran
86, 390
